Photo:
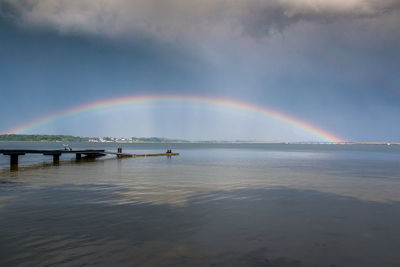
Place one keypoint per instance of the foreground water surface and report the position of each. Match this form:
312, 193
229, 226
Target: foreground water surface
215, 204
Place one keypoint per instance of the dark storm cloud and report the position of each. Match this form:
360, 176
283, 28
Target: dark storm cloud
169, 18
264, 17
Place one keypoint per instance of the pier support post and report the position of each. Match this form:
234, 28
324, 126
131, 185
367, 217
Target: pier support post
56, 158
78, 156
14, 159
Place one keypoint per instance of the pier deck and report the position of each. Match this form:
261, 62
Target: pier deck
88, 153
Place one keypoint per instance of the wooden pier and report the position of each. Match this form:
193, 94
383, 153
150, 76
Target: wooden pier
87, 153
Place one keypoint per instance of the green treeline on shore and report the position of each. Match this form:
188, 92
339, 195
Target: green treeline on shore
42, 138
70, 138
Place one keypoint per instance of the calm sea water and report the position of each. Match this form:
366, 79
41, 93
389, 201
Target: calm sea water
223, 205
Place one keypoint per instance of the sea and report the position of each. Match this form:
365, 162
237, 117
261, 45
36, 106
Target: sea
213, 205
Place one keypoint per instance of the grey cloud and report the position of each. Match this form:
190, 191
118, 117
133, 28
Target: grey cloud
172, 18
266, 16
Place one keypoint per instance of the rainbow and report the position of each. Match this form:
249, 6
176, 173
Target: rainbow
98, 105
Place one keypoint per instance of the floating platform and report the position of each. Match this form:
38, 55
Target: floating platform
125, 155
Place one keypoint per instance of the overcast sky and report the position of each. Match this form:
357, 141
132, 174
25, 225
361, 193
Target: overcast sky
332, 63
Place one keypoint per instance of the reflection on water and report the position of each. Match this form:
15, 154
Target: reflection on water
232, 205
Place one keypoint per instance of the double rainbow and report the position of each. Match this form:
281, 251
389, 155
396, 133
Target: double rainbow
98, 105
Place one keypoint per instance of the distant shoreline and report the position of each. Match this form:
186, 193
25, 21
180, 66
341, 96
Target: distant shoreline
134, 140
